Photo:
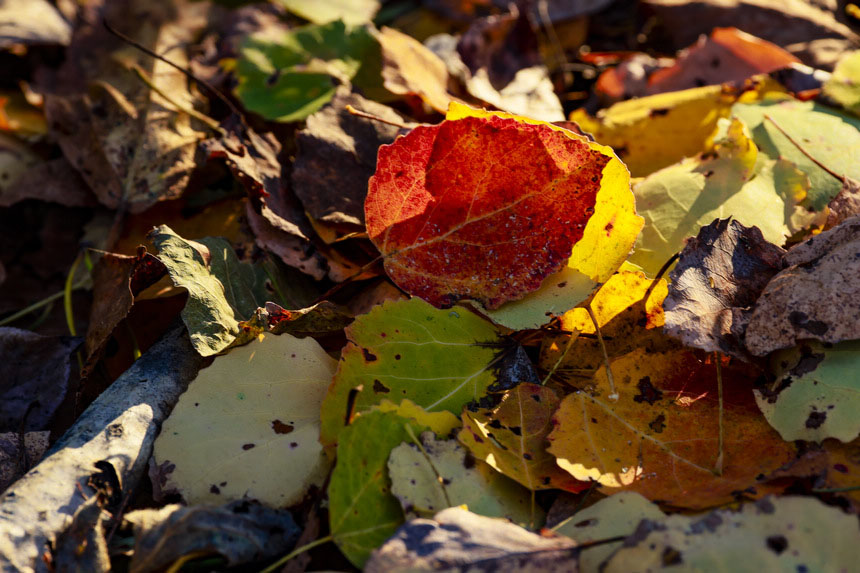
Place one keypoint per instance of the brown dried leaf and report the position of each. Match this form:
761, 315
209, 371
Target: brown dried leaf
337, 156
55, 181
815, 298
321, 318
719, 276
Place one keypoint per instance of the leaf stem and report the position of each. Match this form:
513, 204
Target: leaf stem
189, 111
613, 396
67, 296
372, 117
570, 340
803, 150
296, 552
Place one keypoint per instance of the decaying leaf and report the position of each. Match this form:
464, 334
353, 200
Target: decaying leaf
248, 425
34, 378
815, 395
661, 437
438, 359
458, 540
815, 297
438, 474
55, 180
362, 511
33, 22
718, 278
613, 516
491, 232
323, 317
772, 534
241, 531
131, 144
337, 156
20, 452
512, 438
221, 290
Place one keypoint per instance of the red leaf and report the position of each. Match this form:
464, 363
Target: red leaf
480, 208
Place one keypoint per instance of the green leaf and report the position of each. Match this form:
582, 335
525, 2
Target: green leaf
613, 516
221, 290
248, 425
829, 136
407, 349
843, 86
773, 534
362, 511
352, 12
817, 394
734, 181
287, 78
437, 475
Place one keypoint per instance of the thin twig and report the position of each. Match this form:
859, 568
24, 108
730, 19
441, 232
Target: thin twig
372, 117
802, 150
613, 396
189, 111
296, 552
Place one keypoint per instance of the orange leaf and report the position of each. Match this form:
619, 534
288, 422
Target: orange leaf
481, 208
661, 437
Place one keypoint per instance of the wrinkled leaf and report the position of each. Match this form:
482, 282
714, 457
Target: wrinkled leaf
441, 474
773, 534
438, 359
816, 394
815, 298
221, 290
248, 425
718, 278
512, 438
320, 318
240, 532
458, 540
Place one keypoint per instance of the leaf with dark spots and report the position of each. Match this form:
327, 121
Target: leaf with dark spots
719, 276
322, 318
380, 387
514, 368
281, 428
647, 392
815, 297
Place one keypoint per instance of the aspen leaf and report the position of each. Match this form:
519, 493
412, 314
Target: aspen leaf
438, 359
772, 534
248, 425
660, 438
512, 438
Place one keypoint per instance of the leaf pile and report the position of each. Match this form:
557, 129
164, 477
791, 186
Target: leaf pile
442, 326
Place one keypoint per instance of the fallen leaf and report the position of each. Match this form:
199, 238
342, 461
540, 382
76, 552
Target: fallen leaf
55, 181
440, 473
117, 279
815, 393
132, 145
719, 275
458, 540
362, 511
221, 290
653, 132
443, 423
288, 76
408, 68
34, 378
661, 437
627, 321
726, 55
337, 155
248, 425
841, 473
491, 212
826, 134
240, 532
815, 297
613, 516
843, 86
351, 12
438, 359
16, 160
512, 438
773, 534
732, 181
